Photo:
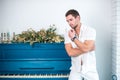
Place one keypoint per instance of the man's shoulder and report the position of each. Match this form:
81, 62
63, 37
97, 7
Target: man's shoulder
87, 28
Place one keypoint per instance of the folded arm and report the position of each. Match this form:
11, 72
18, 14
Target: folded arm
88, 45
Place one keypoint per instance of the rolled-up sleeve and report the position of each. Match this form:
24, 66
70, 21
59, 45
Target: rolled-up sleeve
90, 34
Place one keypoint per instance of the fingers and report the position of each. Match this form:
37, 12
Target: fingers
71, 33
72, 30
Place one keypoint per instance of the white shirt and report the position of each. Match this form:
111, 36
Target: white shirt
88, 59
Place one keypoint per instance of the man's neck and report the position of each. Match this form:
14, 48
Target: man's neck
77, 29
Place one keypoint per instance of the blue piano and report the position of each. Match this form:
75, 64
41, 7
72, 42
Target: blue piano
40, 61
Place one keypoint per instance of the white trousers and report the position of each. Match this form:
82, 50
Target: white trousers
87, 76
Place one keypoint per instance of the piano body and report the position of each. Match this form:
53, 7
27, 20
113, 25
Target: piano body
41, 61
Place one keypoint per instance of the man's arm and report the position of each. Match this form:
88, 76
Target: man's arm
88, 45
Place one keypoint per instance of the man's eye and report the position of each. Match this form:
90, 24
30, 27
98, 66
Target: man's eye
70, 19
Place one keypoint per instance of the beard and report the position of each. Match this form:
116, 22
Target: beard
74, 27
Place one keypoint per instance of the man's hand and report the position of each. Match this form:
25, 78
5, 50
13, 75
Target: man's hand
71, 33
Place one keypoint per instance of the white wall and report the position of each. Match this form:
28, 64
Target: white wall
19, 15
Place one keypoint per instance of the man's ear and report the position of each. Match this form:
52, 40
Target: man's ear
78, 17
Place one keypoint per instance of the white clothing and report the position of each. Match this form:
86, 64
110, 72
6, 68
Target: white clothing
88, 59
87, 76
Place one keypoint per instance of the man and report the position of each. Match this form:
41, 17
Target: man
80, 46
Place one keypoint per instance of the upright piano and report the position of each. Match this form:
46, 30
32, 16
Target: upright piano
40, 61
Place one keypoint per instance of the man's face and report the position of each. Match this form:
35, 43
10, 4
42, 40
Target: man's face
72, 21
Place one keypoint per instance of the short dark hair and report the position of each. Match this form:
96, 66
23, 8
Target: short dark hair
72, 12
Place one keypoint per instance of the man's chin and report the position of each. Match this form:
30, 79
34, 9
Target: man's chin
72, 27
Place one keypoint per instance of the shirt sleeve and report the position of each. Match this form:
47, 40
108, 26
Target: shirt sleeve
66, 37
90, 34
